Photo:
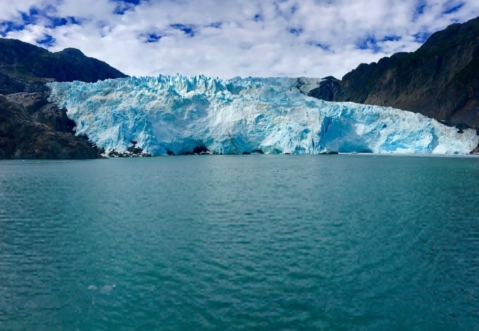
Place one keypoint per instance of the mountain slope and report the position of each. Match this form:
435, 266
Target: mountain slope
25, 67
439, 80
31, 127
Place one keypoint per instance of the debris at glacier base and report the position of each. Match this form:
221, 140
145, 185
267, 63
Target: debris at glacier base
176, 115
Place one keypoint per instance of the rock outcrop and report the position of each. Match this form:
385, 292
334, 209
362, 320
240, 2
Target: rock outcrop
23, 138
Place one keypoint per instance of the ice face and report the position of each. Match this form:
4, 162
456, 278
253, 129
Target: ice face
176, 114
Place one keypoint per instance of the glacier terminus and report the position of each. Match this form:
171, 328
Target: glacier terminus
168, 115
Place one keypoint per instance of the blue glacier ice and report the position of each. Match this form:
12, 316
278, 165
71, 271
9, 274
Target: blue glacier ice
175, 114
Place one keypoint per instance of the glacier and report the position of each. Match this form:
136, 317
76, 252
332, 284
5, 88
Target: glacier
168, 115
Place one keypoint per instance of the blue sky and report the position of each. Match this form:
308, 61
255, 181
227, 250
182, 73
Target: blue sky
314, 38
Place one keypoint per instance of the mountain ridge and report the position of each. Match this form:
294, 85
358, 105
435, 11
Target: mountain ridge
439, 80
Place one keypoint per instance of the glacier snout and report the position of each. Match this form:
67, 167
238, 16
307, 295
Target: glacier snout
175, 115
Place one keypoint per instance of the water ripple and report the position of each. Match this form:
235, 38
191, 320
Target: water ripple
240, 243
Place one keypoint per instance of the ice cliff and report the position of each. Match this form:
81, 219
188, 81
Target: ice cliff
176, 114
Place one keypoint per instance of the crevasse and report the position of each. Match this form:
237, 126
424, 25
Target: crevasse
175, 114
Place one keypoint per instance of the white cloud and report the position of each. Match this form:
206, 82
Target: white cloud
280, 42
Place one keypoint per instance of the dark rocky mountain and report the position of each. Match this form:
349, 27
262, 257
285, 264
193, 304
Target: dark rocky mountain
31, 127
21, 137
439, 80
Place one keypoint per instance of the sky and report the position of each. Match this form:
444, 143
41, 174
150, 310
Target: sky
229, 38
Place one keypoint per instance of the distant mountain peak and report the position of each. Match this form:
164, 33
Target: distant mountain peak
71, 51
24, 67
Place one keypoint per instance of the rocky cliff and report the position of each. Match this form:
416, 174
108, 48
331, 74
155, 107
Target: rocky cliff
31, 127
439, 80
21, 137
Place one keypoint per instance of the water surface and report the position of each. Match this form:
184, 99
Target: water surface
240, 243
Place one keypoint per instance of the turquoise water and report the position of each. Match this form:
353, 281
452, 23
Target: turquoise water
240, 243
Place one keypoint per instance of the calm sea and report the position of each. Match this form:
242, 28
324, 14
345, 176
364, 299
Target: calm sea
240, 243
